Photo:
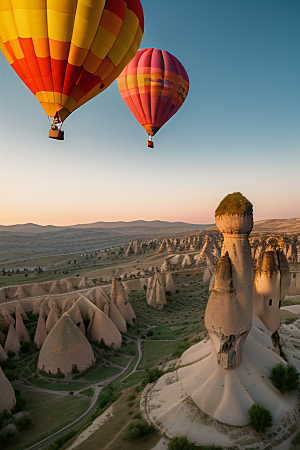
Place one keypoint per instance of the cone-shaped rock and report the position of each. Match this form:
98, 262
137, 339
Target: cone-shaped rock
228, 315
100, 326
44, 308
120, 299
5, 318
170, 286
20, 310
156, 296
271, 284
186, 262
207, 276
7, 394
37, 305
21, 330
3, 355
166, 266
64, 348
12, 343
75, 315
53, 317
117, 318
99, 298
41, 332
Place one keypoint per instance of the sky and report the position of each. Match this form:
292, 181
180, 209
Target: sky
238, 130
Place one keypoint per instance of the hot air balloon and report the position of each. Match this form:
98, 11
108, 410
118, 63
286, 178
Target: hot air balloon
68, 51
154, 85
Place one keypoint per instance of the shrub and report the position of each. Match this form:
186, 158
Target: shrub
23, 419
150, 333
140, 428
153, 374
10, 354
182, 443
260, 417
4, 417
74, 369
20, 402
284, 378
25, 347
8, 434
61, 441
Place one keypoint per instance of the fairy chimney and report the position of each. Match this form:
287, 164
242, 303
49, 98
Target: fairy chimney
53, 317
170, 286
75, 315
65, 348
12, 343
271, 284
156, 296
228, 315
120, 299
7, 397
20, 310
21, 330
41, 332
3, 355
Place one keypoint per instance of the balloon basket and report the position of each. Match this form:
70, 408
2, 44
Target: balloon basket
150, 144
56, 134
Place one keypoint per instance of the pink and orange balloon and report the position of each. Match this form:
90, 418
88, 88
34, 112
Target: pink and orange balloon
154, 86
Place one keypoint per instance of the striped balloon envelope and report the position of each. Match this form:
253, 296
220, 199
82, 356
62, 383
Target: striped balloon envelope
68, 51
154, 86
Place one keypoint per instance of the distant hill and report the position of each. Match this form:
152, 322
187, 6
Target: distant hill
36, 229
270, 226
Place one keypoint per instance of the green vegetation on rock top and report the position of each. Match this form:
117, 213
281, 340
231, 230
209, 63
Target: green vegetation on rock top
234, 203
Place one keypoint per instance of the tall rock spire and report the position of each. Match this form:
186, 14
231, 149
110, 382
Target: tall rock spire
228, 316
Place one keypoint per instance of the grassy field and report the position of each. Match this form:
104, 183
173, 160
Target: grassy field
55, 385
114, 433
101, 373
50, 412
155, 353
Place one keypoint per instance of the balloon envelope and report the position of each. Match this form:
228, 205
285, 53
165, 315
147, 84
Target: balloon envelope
68, 51
154, 85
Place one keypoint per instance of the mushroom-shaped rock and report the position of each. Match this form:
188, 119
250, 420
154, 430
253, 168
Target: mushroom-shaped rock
53, 317
41, 332
75, 315
3, 355
120, 299
20, 310
99, 298
156, 296
7, 396
12, 343
65, 348
21, 330
228, 316
271, 283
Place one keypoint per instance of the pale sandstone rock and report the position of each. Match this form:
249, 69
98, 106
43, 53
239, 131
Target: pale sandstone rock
64, 347
75, 315
170, 286
7, 396
21, 330
156, 296
3, 355
41, 332
12, 343
5, 318
117, 318
207, 274
53, 317
186, 262
20, 310
120, 299
99, 298
228, 315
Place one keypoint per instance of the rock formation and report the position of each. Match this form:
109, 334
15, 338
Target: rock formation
228, 315
21, 330
100, 325
65, 348
271, 284
117, 318
41, 332
75, 315
12, 343
3, 355
99, 298
156, 296
170, 286
53, 317
186, 262
5, 318
207, 274
120, 299
20, 310
7, 396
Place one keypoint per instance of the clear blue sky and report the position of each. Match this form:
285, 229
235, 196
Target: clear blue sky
239, 129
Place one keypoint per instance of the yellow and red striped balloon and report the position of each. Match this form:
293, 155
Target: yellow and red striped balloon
154, 86
68, 51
